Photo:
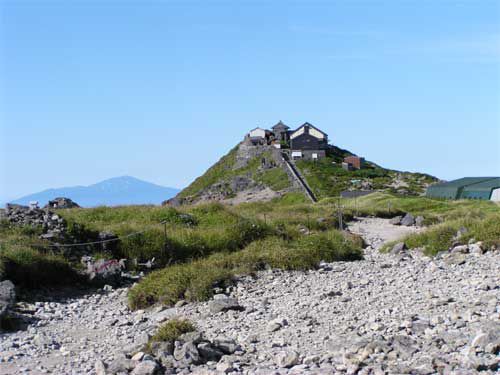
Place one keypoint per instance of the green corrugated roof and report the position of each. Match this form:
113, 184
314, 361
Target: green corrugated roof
484, 185
461, 182
455, 189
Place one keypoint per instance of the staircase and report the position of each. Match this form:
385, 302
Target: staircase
298, 177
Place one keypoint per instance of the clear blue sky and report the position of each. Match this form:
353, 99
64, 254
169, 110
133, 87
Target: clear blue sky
161, 90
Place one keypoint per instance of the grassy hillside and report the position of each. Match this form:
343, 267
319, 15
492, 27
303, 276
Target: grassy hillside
325, 177
208, 244
224, 171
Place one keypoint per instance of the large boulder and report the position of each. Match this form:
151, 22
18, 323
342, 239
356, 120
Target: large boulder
7, 297
408, 220
222, 303
286, 358
419, 221
396, 220
61, 202
398, 248
187, 353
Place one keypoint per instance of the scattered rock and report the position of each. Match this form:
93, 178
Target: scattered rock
286, 358
408, 220
398, 248
100, 368
187, 353
7, 297
419, 221
455, 259
396, 220
59, 203
222, 303
145, 368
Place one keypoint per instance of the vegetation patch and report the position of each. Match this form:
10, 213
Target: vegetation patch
441, 237
27, 267
192, 232
171, 331
195, 281
27, 261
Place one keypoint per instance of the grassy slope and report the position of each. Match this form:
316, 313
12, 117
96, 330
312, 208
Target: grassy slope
236, 238
194, 281
480, 218
327, 179
28, 262
223, 171
324, 177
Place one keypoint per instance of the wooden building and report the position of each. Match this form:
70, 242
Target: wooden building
355, 162
308, 142
281, 132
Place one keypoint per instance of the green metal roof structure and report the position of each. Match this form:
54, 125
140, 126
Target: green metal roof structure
465, 188
481, 190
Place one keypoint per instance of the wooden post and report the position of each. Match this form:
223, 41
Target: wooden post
339, 211
165, 247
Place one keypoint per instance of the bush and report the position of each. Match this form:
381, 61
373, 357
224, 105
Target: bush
170, 332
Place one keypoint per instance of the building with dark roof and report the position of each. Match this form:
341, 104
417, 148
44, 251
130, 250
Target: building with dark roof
308, 142
281, 131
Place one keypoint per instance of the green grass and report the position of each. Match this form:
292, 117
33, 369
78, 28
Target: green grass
224, 170
211, 243
328, 179
172, 330
195, 281
210, 228
433, 210
275, 178
217, 172
27, 261
440, 237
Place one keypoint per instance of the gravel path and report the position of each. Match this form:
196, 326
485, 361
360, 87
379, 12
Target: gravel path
385, 314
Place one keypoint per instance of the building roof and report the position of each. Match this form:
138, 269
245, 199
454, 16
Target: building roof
485, 185
455, 189
280, 124
311, 126
257, 128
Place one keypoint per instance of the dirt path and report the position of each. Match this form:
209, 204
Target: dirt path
376, 231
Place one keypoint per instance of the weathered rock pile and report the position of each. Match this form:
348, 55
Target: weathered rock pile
52, 224
61, 202
408, 220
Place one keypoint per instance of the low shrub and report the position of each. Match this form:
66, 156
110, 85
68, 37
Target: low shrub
170, 332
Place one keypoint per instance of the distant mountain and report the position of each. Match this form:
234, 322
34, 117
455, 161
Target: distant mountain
115, 191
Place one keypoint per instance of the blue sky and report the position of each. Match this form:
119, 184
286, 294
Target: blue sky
161, 90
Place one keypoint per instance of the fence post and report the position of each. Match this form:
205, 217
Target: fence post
165, 247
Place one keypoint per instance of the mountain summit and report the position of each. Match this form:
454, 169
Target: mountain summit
115, 191
271, 162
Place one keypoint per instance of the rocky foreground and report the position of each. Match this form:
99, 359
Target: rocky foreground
388, 314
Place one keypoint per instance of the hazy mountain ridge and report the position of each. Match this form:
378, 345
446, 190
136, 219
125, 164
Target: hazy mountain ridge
115, 191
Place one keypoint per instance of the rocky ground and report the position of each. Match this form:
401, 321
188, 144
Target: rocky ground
387, 314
